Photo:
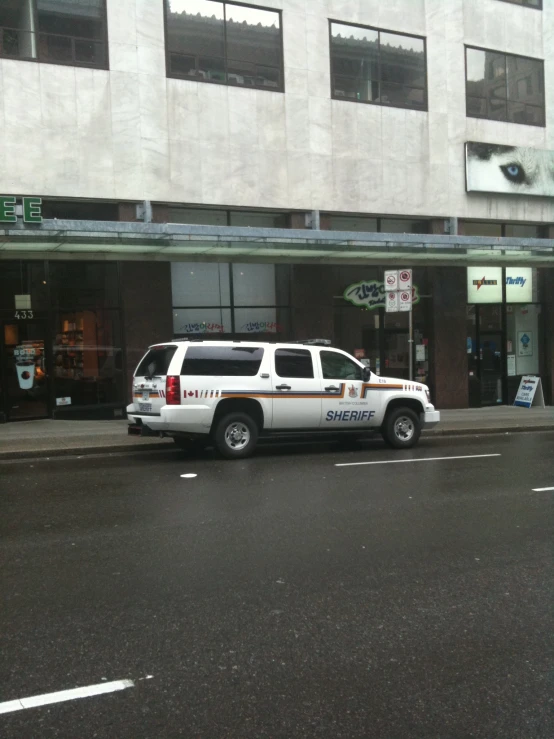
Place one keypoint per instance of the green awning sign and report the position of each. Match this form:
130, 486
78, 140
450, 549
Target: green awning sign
31, 209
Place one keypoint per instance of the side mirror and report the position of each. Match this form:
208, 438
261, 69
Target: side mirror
366, 374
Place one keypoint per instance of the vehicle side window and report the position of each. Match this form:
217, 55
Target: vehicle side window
294, 363
156, 362
337, 366
221, 361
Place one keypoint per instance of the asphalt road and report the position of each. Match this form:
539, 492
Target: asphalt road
282, 596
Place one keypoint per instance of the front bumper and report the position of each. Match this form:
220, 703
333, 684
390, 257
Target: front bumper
430, 419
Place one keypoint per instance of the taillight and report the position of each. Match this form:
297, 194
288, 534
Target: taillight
173, 390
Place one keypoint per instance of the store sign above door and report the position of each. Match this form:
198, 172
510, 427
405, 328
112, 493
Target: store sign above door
30, 209
484, 284
370, 294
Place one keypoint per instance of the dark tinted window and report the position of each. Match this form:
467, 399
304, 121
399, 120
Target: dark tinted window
294, 363
230, 361
214, 41
372, 66
336, 366
156, 362
537, 4
61, 31
504, 87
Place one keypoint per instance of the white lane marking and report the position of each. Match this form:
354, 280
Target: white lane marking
541, 490
190, 475
65, 695
421, 459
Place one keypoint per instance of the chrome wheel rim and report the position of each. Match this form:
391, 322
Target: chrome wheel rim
404, 428
237, 436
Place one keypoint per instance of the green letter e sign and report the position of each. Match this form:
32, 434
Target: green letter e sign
31, 210
7, 210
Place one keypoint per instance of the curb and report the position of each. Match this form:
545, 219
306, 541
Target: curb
159, 445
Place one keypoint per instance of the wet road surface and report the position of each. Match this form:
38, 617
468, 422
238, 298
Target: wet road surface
282, 596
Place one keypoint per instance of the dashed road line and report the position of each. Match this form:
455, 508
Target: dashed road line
61, 696
541, 490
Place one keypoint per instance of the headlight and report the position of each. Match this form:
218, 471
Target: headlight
427, 394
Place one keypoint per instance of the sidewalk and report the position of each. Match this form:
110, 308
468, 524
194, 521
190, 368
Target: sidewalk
54, 438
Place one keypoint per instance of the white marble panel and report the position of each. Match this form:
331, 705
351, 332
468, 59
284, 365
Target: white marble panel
438, 138
299, 180
243, 118
321, 168
295, 43
394, 134
296, 81
183, 110
319, 84
346, 183
22, 149
272, 126
123, 57
96, 173
151, 60
474, 22
495, 27
214, 112
125, 101
419, 181
394, 196
153, 106
370, 184
155, 169
122, 21
403, 15
150, 23
60, 162
93, 104
297, 123
272, 179
344, 128
185, 170
320, 136
439, 181
317, 28
417, 136
2, 117
215, 164
22, 96
58, 96
370, 140
243, 185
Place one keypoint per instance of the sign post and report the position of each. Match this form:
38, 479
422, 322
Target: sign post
399, 292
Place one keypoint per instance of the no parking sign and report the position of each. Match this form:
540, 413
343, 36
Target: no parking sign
398, 289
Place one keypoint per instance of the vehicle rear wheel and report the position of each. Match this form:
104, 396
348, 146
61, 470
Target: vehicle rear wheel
193, 446
402, 428
236, 435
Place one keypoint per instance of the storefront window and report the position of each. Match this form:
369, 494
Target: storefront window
87, 344
23, 278
210, 298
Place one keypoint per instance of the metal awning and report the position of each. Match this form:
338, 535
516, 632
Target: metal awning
55, 239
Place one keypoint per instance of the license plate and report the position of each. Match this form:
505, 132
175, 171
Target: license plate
145, 407
145, 395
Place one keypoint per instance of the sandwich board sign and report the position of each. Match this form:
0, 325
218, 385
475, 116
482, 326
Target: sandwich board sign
530, 392
398, 289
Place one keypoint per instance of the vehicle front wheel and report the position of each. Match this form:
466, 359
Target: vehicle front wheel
236, 436
402, 428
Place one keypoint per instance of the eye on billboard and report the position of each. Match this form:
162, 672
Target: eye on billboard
516, 170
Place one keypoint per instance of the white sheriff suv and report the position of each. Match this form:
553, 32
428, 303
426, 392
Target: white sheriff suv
229, 393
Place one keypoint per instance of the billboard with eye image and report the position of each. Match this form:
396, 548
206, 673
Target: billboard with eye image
516, 170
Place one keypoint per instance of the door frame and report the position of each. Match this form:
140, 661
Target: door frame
4, 399
503, 349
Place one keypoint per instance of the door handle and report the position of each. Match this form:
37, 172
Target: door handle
283, 387
332, 389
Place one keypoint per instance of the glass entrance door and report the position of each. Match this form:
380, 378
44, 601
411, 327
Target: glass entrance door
486, 360
23, 378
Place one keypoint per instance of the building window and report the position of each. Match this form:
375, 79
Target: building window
216, 298
372, 224
70, 32
504, 87
226, 43
536, 4
379, 67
